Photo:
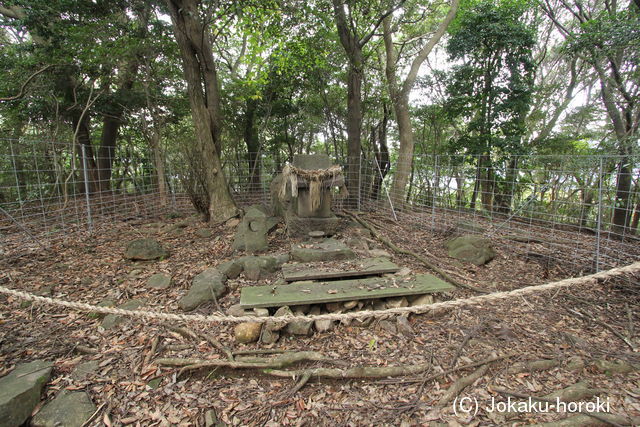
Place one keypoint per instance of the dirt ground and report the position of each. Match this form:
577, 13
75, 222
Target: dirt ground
579, 329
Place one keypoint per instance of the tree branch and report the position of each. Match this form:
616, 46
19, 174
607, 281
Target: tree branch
26, 83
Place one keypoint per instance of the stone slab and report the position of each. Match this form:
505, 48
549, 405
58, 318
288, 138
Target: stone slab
359, 268
69, 409
326, 250
340, 290
20, 391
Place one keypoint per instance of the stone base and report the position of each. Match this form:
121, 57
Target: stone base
300, 227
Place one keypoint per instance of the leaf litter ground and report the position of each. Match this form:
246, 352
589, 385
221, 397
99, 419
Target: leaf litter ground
130, 388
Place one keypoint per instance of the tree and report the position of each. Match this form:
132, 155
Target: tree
491, 89
201, 75
605, 35
399, 91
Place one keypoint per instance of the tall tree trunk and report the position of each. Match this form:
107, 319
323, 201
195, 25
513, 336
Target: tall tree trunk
106, 153
354, 127
204, 98
404, 164
158, 162
253, 144
81, 123
381, 154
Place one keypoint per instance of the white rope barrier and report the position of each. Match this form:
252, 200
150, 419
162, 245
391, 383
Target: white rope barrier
222, 318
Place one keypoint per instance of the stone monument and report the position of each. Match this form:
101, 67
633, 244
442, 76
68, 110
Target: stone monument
305, 193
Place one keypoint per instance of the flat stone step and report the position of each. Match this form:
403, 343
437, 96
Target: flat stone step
345, 269
340, 290
326, 250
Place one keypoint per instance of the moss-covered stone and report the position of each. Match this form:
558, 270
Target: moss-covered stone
20, 391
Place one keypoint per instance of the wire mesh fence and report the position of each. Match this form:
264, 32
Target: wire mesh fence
567, 209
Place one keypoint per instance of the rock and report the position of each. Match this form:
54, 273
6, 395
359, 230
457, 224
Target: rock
280, 312
145, 250
323, 325
387, 326
261, 312
608, 367
379, 253
301, 309
231, 269
205, 233
205, 287
357, 244
575, 363
348, 305
211, 419
473, 249
237, 311
379, 305
282, 259
397, 302
269, 336
334, 307
69, 409
403, 325
404, 271
299, 327
257, 267
113, 320
85, 370
159, 281
20, 391
247, 332
422, 300
251, 235
328, 250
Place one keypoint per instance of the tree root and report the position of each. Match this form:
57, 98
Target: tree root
188, 333
447, 277
533, 366
462, 383
356, 372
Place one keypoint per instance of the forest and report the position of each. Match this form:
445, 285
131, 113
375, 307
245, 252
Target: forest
322, 212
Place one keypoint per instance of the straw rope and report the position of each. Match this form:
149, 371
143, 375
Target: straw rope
221, 318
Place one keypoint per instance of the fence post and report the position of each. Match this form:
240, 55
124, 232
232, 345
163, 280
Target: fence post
433, 192
86, 187
599, 219
360, 182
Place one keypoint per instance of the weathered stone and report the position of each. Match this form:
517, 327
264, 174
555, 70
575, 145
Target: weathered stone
20, 391
422, 300
473, 249
302, 309
231, 269
300, 227
348, 305
261, 312
269, 336
357, 244
257, 267
299, 327
85, 370
247, 332
233, 222
323, 325
113, 320
404, 271
251, 235
575, 363
379, 305
328, 250
387, 326
379, 253
145, 250
104, 303
205, 233
69, 409
159, 281
608, 367
280, 312
311, 161
237, 311
397, 302
403, 325
334, 307
205, 287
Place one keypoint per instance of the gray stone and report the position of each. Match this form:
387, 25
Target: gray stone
312, 161
206, 286
358, 244
609, 367
257, 267
205, 233
379, 305
20, 391
268, 335
145, 250
159, 281
348, 305
473, 249
261, 312
67, 409
334, 307
403, 326
247, 332
113, 320
299, 327
397, 302
379, 253
251, 235
403, 272
237, 311
280, 312
280, 203
231, 269
300, 227
85, 370
422, 300
575, 363
387, 326
323, 325
104, 303
328, 250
